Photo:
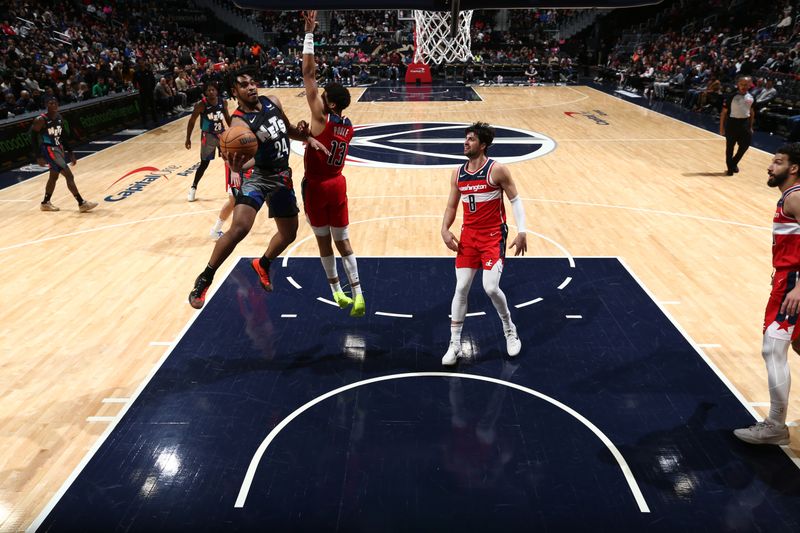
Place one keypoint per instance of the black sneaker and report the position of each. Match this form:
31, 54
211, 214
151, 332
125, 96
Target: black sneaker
198, 295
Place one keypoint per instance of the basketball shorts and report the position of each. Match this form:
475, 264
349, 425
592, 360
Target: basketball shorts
776, 325
276, 190
54, 155
482, 248
325, 202
209, 146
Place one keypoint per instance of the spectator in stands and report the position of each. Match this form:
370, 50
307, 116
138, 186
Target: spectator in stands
165, 97
25, 103
766, 95
84, 92
144, 81
100, 88
531, 73
8, 106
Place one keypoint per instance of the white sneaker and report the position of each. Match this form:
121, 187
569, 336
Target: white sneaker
192, 194
215, 234
451, 356
513, 344
764, 433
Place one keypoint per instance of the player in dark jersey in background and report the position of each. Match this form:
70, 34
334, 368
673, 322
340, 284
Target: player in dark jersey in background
324, 185
479, 184
50, 149
270, 181
212, 110
780, 319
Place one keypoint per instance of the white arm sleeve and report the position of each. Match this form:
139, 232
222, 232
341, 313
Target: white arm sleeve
308, 44
519, 213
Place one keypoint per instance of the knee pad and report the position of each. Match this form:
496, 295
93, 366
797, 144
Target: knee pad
340, 234
321, 231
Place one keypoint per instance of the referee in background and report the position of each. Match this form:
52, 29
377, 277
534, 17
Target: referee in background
738, 110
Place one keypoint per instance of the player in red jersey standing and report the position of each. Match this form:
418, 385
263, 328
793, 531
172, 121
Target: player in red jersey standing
479, 184
324, 185
780, 320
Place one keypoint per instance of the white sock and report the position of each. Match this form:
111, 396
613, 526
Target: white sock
775, 353
217, 226
455, 332
351, 269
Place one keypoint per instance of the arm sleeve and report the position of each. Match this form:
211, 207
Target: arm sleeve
519, 213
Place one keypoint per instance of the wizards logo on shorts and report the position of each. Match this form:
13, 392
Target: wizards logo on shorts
434, 145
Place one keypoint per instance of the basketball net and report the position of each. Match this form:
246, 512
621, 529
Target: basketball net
432, 42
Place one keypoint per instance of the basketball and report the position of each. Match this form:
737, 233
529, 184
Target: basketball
239, 139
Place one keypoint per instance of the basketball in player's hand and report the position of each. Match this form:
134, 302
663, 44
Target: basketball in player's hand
239, 139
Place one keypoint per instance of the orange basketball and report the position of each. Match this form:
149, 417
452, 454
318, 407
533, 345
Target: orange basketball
239, 139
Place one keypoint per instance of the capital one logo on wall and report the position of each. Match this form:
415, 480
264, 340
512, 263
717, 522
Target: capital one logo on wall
434, 145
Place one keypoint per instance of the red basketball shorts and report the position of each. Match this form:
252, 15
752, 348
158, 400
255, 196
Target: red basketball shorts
482, 248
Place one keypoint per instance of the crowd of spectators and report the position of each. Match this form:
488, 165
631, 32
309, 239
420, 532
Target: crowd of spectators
79, 50
696, 61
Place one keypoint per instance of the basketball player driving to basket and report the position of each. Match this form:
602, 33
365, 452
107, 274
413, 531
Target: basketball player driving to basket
270, 181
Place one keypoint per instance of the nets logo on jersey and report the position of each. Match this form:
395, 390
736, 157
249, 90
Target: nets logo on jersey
434, 145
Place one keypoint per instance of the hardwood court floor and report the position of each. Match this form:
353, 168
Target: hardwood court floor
87, 298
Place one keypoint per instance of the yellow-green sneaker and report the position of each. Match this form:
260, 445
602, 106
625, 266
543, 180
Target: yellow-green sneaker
359, 307
342, 299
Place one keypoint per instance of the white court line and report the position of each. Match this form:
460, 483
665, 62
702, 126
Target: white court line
161, 343
105, 419
396, 315
37, 522
636, 140
670, 302
593, 204
326, 301
100, 228
288, 316
116, 400
709, 346
291, 280
573, 316
565, 283
105, 142
709, 362
479, 313
759, 404
667, 116
526, 304
47, 172
623, 465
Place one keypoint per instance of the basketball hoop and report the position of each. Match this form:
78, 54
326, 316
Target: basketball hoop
433, 40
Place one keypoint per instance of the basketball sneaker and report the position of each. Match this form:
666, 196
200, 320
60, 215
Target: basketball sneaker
192, 194
214, 235
452, 353
198, 295
263, 275
87, 206
359, 306
764, 433
47, 206
342, 299
513, 344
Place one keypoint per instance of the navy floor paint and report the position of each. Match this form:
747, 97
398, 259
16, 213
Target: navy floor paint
432, 453
436, 92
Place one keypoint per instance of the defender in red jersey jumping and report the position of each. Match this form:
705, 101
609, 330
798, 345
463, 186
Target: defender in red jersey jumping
780, 320
324, 186
479, 184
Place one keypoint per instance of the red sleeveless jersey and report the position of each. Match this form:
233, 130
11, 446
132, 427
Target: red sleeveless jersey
785, 236
336, 138
482, 200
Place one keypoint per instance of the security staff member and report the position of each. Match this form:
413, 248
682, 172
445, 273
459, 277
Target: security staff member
739, 112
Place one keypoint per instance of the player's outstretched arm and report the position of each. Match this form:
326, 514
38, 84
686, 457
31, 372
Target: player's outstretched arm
315, 102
